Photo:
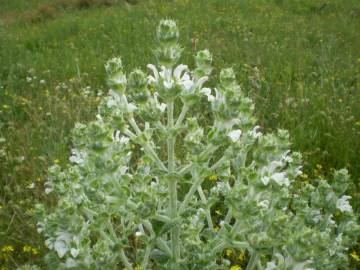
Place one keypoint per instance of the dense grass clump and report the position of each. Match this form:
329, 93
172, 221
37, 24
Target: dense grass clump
298, 60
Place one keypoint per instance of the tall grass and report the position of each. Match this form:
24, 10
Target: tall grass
307, 80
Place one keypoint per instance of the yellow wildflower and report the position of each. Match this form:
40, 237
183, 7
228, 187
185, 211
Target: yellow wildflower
355, 256
26, 248
7, 249
241, 256
228, 252
35, 251
213, 177
56, 161
235, 267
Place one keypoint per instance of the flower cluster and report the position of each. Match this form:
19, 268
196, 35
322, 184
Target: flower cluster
135, 193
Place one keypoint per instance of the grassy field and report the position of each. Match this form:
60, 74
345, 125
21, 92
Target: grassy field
298, 59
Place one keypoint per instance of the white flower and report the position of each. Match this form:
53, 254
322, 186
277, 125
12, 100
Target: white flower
254, 132
201, 81
60, 248
179, 70
343, 204
138, 234
124, 140
264, 204
281, 179
74, 252
265, 180
154, 78
168, 84
270, 266
207, 92
42, 81
234, 135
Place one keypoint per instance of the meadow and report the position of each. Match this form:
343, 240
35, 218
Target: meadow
298, 60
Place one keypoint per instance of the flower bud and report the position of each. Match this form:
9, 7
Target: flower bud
168, 55
167, 32
227, 77
116, 78
137, 86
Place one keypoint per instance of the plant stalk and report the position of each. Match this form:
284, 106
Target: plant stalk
175, 248
252, 262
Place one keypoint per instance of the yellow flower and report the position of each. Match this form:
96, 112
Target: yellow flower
56, 161
213, 177
319, 166
35, 251
26, 248
235, 267
355, 256
7, 249
228, 252
241, 256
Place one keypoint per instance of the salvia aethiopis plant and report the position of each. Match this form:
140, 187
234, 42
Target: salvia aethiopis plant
147, 176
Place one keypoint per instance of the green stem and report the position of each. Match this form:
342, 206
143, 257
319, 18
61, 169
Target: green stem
146, 257
252, 262
184, 110
207, 211
125, 260
175, 248
196, 183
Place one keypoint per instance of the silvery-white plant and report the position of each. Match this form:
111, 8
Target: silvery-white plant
137, 193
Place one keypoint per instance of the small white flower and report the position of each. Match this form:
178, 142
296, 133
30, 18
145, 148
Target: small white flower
60, 248
201, 81
124, 140
188, 85
254, 132
42, 82
138, 234
281, 179
234, 135
270, 266
343, 204
74, 252
28, 79
161, 107
168, 84
265, 180
154, 78
179, 70
207, 92
31, 185
264, 204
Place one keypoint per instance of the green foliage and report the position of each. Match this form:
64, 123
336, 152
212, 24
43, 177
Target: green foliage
124, 201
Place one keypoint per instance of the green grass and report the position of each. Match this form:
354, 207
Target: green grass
307, 53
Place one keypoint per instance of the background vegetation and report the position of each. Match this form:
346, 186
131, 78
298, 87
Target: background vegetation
298, 59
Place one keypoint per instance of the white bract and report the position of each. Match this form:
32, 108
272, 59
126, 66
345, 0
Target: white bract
137, 194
